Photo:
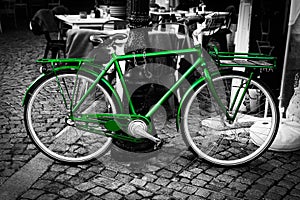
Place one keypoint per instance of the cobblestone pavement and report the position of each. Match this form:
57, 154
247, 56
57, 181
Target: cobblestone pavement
27, 174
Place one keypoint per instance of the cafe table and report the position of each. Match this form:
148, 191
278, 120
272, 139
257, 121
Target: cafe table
76, 22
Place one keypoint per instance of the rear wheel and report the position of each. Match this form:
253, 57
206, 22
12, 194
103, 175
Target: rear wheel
211, 137
47, 120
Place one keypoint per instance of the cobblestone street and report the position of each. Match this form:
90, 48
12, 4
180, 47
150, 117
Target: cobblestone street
25, 173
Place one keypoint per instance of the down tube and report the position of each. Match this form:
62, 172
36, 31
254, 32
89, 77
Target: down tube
173, 88
93, 85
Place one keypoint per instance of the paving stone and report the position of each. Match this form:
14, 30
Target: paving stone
85, 186
138, 182
298, 186
75, 180
152, 187
58, 168
260, 187
40, 184
112, 196
274, 176
238, 186
295, 192
273, 196
162, 181
196, 170
224, 178
165, 191
54, 187
254, 194
32, 194
145, 194
86, 174
94, 198
108, 173
165, 173
229, 191
149, 177
286, 184
124, 177
198, 182
67, 192
180, 195
194, 197
175, 185
161, 197
47, 197
266, 181
184, 180
174, 167
189, 189
50, 175
212, 172
204, 177
292, 178
63, 178
133, 196
126, 189
72, 171
288, 197
186, 174
278, 190
203, 192
98, 191
216, 196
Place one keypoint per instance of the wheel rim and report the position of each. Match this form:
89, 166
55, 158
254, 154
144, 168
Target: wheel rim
85, 145
210, 135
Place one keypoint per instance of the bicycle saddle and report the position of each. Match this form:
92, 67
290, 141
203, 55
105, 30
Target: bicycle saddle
107, 38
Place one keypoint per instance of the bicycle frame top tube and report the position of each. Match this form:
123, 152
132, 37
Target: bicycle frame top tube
115, 58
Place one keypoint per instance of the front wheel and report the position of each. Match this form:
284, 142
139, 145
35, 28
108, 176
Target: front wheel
47, 113
206, 130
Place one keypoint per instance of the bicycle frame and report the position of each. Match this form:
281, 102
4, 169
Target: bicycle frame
199, 62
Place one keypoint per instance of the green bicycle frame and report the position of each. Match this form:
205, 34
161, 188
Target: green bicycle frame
199, 62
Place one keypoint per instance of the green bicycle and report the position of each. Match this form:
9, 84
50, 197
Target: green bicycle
74, 114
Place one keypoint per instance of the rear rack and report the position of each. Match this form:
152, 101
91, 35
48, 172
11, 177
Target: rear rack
249, 60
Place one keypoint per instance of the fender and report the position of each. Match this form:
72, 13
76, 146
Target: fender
188, 92
38, 80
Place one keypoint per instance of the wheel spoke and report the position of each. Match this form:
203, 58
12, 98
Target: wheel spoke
45, 116
209, 134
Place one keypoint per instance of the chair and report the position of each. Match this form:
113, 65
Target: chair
265, 30
9, 9
114, 25
43, 22
264, 47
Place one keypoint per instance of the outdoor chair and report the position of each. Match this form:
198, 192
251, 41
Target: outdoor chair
43, 22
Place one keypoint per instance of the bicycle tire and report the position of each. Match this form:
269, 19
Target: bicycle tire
45, 117
211, 138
